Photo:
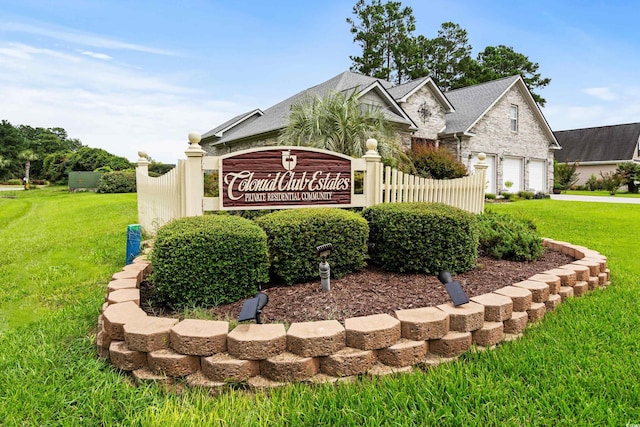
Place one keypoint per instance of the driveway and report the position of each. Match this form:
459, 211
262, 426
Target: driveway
601, 199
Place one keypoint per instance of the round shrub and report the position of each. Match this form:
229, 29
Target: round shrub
436, 163
506, 237
208, 260
117, 182
294, 234
422, 237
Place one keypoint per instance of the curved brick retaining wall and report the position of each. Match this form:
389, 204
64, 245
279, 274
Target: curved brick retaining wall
207, 354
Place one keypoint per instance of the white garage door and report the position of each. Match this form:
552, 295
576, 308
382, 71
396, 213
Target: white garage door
512, 171
538, 176
490, 173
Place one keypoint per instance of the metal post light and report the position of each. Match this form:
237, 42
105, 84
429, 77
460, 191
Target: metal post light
323, 252
455, 291
252, 308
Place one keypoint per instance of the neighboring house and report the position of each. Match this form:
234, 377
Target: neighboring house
599, 149
499, 118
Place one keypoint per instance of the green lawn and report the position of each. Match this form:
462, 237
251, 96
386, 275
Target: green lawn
578, 367
600, 193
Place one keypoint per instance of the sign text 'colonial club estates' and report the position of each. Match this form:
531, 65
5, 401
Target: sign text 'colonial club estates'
285, 177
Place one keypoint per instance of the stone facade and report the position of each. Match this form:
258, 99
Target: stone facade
426, 112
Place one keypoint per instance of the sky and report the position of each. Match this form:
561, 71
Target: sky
130, 76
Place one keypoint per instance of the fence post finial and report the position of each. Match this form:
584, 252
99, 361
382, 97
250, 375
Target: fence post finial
142, 165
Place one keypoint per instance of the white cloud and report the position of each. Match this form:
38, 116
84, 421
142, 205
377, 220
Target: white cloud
105, 105
601, 93
95, 55
78, 37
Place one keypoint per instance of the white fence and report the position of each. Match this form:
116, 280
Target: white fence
180, 192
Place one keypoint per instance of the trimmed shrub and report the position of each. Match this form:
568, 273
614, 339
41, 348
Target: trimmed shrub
435, 163
208, 260
506, 237
422, 237
117, 182
527, 195
294, 234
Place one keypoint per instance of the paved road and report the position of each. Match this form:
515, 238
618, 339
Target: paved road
601, 199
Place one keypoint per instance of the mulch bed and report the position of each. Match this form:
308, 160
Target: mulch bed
374, 291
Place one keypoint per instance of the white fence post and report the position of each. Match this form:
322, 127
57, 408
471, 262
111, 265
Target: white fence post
373, 182
481, 169
194, 181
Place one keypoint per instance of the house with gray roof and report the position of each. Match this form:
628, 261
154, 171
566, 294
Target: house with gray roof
599, 149
499, 118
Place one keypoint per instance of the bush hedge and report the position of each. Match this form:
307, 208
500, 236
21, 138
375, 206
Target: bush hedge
422, 237
293, 236
208, 260
117, 182
503, 236
435, 163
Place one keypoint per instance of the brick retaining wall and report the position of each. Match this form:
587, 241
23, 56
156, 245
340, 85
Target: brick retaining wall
207, 354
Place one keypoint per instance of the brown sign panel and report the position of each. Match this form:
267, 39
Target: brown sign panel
285, 177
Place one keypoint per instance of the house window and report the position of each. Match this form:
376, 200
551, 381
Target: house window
514, 118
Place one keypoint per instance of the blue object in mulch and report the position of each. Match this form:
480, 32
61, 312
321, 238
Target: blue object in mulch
134, 235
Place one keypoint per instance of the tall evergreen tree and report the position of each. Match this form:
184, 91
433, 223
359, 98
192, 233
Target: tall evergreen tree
384, 31
446, 55
502, 61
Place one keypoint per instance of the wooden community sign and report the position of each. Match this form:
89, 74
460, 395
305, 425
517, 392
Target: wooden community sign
285, 176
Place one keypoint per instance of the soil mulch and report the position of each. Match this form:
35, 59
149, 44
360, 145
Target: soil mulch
374, 291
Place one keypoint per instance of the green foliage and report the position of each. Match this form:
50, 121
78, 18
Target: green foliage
610, 182
436, 163
90, 159
503, 236
445, 56
422, 237
629, 174
11, 144
390, 51
593, 183
55, 165
208, 260
340, 123
527, 195
384, 33
565, 175
159, 167
294, 235
117, 182
496, 62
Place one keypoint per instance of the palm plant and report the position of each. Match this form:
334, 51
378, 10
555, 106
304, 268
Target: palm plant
340, 123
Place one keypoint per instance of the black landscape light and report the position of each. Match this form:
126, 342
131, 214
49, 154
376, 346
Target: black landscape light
252, 308
456, 293
323, 252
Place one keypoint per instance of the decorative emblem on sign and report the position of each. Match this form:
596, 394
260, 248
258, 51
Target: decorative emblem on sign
288, 161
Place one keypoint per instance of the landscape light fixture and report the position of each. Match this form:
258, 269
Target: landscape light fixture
323, 252
252, 308
455, 291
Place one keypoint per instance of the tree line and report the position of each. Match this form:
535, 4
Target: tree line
391, 51
49, 154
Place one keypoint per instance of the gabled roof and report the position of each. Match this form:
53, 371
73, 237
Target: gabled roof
402, 92
229, 124
598, 144
276, 117
473, 102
